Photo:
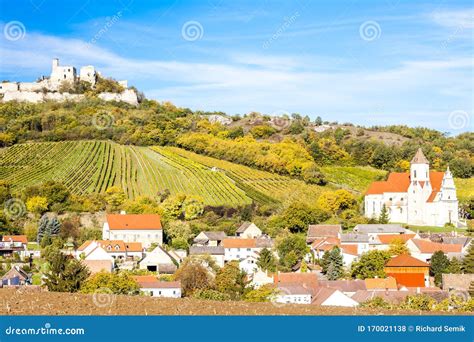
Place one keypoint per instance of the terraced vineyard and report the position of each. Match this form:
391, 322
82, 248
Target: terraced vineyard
261, 186
94, 166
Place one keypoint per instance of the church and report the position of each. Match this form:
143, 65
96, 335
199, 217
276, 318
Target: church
420, 197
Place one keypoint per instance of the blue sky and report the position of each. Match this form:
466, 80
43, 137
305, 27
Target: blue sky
367, 62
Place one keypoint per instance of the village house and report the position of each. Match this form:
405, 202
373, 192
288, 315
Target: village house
348, 287
151, 286
320, 231
143, 228
376, 229
159, 260
241, 248
408, 271
98, 260
215, 252
13, 244
116, 249
321, 245
248, 230
249, 264
16, 276
209, 238
261, 278
295, 288
424, 249
419, 197
326, 296
386, 239
381, 284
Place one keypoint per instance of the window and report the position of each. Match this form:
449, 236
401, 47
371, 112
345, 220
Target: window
248, 249
414, 174
401, 210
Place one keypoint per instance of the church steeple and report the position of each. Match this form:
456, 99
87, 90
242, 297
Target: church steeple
420, 168
419, 158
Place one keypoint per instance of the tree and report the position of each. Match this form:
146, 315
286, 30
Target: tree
298, 215
471, 289
333, 263
304, 266
291, 248
370, 265
193, 276
42, 228
115, 197
116, 283
54, 227
267, 261
318, 121
264, 293
231, 280
398, 247
65, 274
439, 264
47, 228
178, 231
37, 204
455, 266
383, 218
468, 261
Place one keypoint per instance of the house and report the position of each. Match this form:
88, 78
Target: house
408, 271
98, 259
381, 284
318, 231
210, 238
424, 249
151, 286
326, 296
457, 282
118, 249
348, 287
386, 239
419, 197
241, 248
321, 245
16, 276
293, 293
143, 228
360, 240
249, 264
159, 260
261, 278
215, 252
248, 230
13, 244
377, 229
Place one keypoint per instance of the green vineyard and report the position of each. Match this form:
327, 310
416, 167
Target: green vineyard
93, 166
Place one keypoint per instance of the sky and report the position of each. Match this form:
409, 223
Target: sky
366, 62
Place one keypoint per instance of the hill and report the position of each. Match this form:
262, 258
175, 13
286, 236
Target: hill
92, 166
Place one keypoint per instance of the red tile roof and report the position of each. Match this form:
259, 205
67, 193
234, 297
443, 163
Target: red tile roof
15, 238
387, 239
307, 279
381, 283
426, 246
324, 230
400, 181
239, 243
160, 284
114, 246
349, 249
409, 279
405, 260
134, 222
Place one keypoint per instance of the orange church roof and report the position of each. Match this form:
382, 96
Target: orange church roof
400, 181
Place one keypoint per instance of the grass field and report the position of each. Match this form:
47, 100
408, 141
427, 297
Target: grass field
355, 178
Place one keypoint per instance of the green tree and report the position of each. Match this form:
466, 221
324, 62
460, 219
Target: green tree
65, 274
291, 248
266, 260
333, 264
115, 197
383, 218
455, 266
370, 265
439, 264
231, 280
468, 261
299, 215
42, 228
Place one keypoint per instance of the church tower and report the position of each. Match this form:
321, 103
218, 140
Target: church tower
420, 168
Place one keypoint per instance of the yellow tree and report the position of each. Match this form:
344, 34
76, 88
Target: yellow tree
397, 247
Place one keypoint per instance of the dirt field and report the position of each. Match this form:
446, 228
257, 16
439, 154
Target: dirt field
37, 302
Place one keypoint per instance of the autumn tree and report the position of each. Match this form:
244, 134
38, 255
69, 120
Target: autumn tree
193, 275
115, 197
37, 204
398, 247
231, 280
116, 283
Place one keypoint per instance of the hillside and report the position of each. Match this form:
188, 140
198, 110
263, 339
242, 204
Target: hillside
93, 166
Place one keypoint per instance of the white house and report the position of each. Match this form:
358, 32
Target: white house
215, 252
261, 278
293, 294
242, 248
144, 228
248, 230
97, 260
209, 238
326, 296
158, 260
420, 197
249, 264
423, 249
117, 249
151, 286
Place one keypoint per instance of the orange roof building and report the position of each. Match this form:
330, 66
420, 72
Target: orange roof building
419, 197
15, 238
143, 228
408, 271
